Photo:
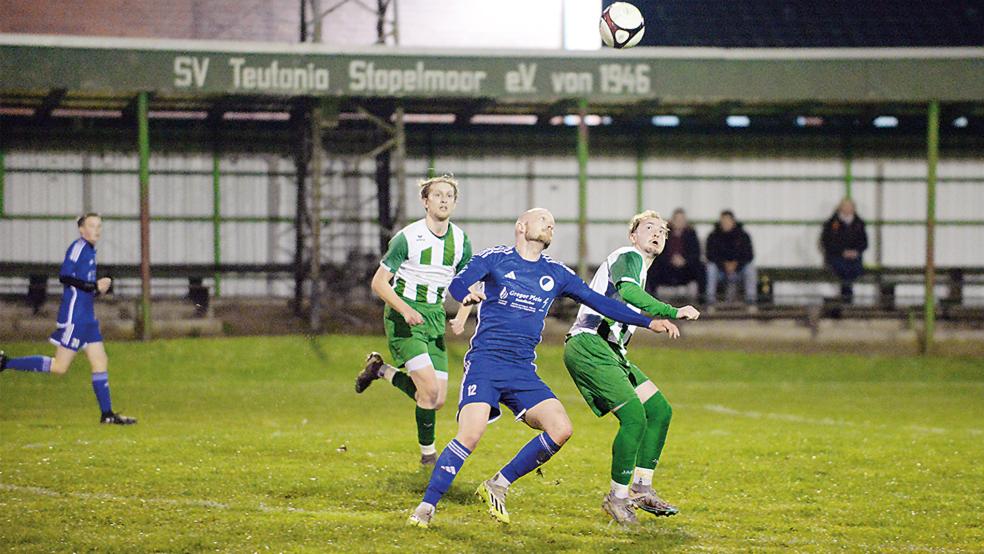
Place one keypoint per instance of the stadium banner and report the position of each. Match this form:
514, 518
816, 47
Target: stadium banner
691, 75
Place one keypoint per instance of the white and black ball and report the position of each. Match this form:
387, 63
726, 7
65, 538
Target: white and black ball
621, 25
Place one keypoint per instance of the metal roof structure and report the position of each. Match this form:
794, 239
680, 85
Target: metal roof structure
44, 73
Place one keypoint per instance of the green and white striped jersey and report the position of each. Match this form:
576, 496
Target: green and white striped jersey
624, 264
425, 263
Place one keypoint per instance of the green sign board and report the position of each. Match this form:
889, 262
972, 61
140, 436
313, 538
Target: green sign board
692, 76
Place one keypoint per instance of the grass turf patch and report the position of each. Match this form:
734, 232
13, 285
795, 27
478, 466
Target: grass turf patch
261, 443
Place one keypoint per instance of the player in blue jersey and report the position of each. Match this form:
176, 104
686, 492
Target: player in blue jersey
78, 328
520, 284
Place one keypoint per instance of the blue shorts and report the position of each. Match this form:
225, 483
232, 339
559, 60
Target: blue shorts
489, 382
74, 336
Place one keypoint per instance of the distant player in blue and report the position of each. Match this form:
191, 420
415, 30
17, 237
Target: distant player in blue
78, 328
520, 284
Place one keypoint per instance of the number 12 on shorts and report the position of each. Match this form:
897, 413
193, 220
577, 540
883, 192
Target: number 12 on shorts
472, 389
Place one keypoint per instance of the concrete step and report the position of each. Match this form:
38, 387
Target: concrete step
107, 309
38, 329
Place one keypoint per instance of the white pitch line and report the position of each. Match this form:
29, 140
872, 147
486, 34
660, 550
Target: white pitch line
197, 503
793, 418
41, 491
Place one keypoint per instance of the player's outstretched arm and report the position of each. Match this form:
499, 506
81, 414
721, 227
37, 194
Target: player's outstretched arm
475, 271
636, 296
664, 326
460, 318
581, 292
381, 286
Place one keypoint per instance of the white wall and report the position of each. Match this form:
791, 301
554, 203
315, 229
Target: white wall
270, 193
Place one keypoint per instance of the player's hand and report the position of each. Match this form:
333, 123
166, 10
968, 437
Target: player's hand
457, 326
474, 297
664, 326
412, 317
687, 312
102, 285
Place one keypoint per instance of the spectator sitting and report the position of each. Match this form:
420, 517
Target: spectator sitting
729, 252
844, 239
679, 264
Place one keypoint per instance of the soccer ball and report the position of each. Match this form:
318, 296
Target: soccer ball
621, 25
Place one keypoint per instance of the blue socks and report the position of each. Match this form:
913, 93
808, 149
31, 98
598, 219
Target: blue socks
100, 385
532, 455
37, 364
42, 364
448, 465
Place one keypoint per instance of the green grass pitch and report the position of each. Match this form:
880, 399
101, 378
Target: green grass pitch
260, 444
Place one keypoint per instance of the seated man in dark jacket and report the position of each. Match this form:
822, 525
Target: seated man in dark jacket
729, 253
844, 239
679, 264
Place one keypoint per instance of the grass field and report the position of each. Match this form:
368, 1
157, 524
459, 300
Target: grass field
260, 444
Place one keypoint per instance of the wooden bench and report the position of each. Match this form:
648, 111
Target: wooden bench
885, 278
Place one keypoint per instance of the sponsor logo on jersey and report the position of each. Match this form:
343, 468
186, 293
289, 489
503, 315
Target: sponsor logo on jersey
504, 293
546, 283
510, 275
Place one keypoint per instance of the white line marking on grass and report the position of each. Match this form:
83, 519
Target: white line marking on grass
79, 442
193, 502
717, 408
793, 418
40, 491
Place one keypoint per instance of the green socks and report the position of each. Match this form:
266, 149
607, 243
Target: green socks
425, 426
402, 381
632, 428
658, 414
425, 417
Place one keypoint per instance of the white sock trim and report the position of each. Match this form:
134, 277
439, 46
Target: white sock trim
501, 481
643, 477
619, 490
388, 372
428, 449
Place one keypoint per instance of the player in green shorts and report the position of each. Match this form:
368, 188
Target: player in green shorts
595, 356
412, 278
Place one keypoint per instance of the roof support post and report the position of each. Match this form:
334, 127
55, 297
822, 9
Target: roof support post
216, 208
932, 158
143, 145
582, 189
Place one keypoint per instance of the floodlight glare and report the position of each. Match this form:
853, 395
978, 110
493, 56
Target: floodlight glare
666, 121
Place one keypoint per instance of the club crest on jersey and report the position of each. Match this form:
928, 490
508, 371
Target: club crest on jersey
546, 283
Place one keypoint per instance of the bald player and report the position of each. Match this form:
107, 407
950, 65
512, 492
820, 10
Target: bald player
520, 283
